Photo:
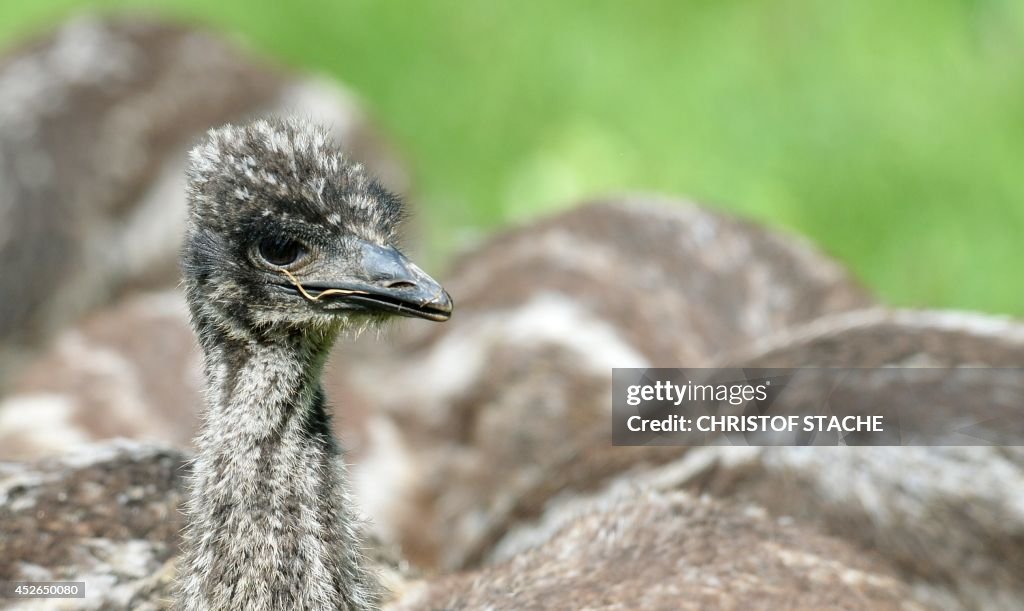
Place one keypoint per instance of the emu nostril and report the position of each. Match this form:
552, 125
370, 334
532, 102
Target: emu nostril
400, 284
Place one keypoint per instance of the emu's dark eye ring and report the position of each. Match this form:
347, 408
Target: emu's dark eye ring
281, 251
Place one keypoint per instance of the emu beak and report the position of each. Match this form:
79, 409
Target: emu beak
387, 282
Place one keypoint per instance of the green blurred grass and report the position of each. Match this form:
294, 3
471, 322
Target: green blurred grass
890, 133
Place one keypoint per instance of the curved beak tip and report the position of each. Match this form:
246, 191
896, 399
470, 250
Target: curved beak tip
443, 305
388, 282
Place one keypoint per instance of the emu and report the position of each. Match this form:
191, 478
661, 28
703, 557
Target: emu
272, 278
287, 245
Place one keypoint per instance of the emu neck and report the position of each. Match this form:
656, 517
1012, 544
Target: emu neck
269, 524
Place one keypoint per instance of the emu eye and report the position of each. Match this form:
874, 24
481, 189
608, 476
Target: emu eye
281, 251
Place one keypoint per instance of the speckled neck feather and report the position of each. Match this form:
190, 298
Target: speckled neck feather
268, 521
269, 524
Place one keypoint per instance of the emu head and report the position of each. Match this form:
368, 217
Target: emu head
284, 234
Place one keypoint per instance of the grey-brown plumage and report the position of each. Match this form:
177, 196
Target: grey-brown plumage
674, 552
549, 306
131, 370
269, 522
95, 121
594, 282
584, 533
134, 370
108, 514
105, 514
520, 378
948, 518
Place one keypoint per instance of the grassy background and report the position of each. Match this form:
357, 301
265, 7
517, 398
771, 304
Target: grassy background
892, 133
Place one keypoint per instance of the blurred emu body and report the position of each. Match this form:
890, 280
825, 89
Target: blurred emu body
269, 521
